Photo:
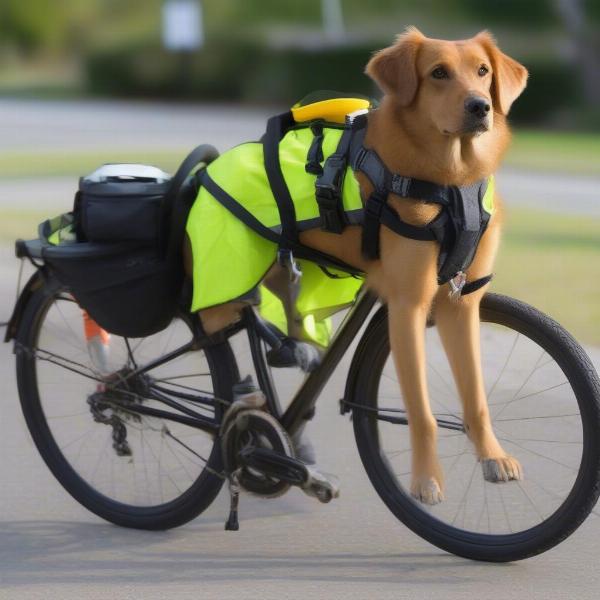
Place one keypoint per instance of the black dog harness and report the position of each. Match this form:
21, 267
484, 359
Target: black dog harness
458, 227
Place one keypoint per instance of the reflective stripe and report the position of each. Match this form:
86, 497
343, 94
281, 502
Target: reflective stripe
488, 199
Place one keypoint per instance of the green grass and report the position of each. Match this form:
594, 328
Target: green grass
575, 153
50, 164
550, 261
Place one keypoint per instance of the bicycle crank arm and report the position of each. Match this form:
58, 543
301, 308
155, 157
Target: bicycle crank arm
322, 486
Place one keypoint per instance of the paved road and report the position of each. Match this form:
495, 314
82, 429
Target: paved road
66, 125
77, 126
291, 547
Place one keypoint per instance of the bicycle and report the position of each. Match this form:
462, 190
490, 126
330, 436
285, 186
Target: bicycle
151, 445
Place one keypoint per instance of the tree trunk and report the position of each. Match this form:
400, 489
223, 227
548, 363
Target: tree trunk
585, 46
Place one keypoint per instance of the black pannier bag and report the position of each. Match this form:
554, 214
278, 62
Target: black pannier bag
119, 203
120, 252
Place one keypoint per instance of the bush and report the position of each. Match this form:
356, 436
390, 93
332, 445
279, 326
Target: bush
148, 70
551, 87
227, 70
248, 71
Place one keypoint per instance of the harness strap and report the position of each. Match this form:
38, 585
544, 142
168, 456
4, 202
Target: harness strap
314, 158
473, 286
457, 250
246, 217
379, 212
275, 127
329, 186
234, 207
369, 162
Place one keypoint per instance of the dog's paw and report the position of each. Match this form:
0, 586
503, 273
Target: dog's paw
500, 470
426, 490
307, 356
293, 353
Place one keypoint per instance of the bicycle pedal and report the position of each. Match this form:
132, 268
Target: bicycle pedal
322, 486
274, 464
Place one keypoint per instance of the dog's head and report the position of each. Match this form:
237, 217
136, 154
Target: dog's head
455, 86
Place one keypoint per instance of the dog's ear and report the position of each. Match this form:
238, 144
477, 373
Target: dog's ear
394, 69
509, 78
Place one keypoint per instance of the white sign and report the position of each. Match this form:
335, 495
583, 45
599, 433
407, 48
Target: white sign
182, 25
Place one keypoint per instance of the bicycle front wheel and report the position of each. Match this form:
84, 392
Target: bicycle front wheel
134, 469
544, 398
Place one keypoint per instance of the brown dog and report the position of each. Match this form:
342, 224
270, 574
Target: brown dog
442, 119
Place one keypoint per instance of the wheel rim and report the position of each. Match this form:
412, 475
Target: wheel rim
167, 458
538, 395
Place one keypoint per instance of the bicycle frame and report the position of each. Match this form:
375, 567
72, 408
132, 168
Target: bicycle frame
302, 405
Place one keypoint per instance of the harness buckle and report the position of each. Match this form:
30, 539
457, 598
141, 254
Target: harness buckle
359, 158
285, 258
400, 185
328, 194
457, 283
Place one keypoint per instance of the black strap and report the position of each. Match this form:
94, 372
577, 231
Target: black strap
473, 286
368, 162
314, 158
378, 212
329, 186
275, 127
251, 221
236, 208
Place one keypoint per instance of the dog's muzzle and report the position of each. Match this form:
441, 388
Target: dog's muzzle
477, 111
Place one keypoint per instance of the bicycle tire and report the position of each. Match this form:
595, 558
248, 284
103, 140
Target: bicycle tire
581, 375
193, 501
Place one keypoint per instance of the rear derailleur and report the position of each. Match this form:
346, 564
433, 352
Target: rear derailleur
108, 406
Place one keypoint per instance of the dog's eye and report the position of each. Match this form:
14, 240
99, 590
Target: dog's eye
439, 73
483, 70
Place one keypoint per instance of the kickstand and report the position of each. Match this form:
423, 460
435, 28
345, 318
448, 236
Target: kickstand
232, 523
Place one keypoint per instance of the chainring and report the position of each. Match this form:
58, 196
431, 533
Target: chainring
256, 428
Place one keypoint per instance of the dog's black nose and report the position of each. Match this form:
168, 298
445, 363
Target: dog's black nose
476, 106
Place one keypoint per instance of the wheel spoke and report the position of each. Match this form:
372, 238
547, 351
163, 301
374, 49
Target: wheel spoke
535, 416
94, 440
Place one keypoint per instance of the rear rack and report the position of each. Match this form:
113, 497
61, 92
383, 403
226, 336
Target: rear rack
28, 248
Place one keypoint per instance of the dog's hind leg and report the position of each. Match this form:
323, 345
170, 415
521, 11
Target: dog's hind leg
458, 324
293, 351
278, 281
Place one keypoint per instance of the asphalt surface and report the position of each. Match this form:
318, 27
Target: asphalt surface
290, 547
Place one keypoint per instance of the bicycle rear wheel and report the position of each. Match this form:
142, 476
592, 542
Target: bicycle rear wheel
544, 398
135, 470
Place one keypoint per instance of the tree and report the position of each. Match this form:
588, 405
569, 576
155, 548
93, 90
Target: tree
33, 24
585, 46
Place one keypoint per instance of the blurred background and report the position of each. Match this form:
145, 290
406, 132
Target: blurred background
84, 82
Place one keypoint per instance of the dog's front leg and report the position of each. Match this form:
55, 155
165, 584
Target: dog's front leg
407, 331
407, 280
459, 327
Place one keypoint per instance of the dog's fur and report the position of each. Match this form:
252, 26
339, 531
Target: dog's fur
423, 129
